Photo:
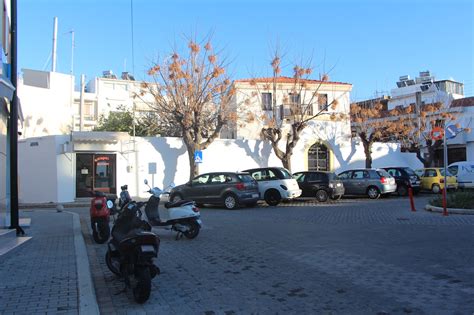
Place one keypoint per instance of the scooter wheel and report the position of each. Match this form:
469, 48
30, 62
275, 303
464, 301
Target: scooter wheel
110, 264
142, 290
193, 230
100, 232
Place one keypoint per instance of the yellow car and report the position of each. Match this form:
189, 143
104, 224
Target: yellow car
433, 179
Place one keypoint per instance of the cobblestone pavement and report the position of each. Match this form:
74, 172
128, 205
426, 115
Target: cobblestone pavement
353, 256
40, 276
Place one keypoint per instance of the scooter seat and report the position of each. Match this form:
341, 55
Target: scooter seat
177, 203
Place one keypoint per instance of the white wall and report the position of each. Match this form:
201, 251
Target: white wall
48, 175
47, 111
38, 170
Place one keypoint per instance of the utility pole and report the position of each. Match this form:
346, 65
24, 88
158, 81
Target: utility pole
13, 156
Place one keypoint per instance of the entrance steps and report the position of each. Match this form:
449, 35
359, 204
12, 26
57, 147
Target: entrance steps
9, 240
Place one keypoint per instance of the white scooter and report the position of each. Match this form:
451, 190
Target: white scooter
182, 216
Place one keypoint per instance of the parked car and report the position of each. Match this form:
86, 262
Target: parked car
405, 177
275, 184
320, 185
223, 188
464, 172
370, 182
433, 179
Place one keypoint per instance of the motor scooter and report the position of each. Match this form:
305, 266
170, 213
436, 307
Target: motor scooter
182, 216
99, 214
132, 250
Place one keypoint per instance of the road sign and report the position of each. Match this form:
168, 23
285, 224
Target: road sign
197, 156
452, 131
437, 133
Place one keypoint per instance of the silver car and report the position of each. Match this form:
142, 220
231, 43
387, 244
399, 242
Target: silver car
370, 182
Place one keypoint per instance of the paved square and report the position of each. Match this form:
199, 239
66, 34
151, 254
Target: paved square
354, 256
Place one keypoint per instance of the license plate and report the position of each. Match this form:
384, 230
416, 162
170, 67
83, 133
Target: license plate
255, 195
148, 248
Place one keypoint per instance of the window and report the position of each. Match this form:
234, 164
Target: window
345, 175
299, 177
267, 101
314, 177
322, 102
295, 99
201, 179
453, 169
318, 158
218, 179
360, 175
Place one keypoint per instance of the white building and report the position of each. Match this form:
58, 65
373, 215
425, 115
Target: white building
425, 89
45, 92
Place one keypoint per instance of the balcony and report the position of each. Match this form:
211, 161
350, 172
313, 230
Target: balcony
290, 110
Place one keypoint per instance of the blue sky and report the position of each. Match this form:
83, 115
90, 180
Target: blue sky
366, 43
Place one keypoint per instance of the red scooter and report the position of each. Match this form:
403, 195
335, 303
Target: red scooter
100, 213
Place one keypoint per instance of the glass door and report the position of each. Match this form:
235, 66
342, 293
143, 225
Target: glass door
95, 172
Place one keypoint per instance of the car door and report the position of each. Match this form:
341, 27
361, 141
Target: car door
196, 188
215, 186
360, 181
314, 182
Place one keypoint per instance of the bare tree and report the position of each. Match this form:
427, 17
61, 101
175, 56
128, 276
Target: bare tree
192, 92
301, 103
371, 125
413, 128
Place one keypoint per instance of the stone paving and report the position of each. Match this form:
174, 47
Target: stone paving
40, 276
353, 256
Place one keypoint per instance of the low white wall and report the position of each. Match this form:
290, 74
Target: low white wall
47, 174
3, 164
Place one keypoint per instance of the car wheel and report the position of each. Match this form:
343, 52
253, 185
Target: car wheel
402, 190
230, 201
176, 197
373, 192
435, 189
321, 195
272, 197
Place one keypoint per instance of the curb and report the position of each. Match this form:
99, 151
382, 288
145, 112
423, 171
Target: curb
450, 210
53, 205
87, 298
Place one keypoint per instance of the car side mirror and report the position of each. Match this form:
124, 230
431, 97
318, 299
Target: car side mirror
146, 182
110, 204
188, 184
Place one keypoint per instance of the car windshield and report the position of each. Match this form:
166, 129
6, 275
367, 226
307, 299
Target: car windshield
383, 173
285, 173
246, 178
441, 170
409, 171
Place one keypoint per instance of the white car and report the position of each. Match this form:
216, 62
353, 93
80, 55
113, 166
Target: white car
275, 184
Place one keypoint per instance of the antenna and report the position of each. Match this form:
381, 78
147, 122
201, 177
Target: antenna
55, 35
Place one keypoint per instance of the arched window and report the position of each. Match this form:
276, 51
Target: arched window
318, 158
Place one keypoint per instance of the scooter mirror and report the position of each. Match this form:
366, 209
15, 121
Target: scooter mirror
146, 182
110, 204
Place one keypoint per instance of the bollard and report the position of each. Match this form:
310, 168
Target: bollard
412, 203
445, 209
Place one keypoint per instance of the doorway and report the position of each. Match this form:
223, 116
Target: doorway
95, 172
318, 158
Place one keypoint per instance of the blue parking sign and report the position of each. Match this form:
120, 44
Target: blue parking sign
197, 156
451, 131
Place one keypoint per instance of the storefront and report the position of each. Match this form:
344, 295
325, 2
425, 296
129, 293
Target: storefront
95, 172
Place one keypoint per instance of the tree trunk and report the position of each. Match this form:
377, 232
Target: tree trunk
286, 161
367, 150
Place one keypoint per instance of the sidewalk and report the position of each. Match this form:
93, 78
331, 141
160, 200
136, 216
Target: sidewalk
51, 272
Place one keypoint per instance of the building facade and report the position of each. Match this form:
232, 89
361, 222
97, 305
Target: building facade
6, 93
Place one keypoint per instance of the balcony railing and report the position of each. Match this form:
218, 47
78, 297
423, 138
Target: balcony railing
287, 111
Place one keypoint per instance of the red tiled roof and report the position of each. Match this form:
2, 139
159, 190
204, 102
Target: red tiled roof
289, 80
463, 102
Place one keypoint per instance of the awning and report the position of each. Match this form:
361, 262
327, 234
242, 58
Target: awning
99, 137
